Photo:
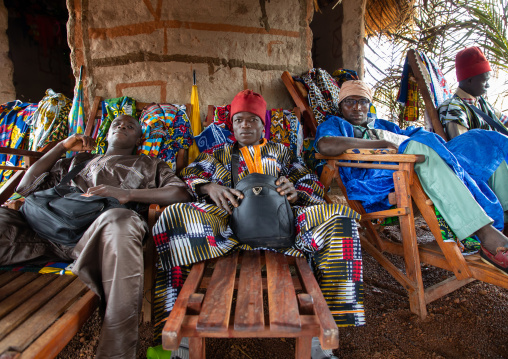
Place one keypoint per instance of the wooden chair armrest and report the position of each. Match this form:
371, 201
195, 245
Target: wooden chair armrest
154, 212
19, 152
374, 155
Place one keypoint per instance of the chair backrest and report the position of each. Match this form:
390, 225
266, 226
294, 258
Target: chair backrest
299, 94
420, 73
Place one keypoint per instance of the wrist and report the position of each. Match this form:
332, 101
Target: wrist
61, 147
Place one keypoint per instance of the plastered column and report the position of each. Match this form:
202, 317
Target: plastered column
7, 91
353, 33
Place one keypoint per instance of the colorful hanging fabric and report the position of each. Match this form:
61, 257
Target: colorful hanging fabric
14, 131
411, 106
343, 75
438, 85
52, 110
111, 109
221, 117
166, 130
323, 93
213, 136
77, 113
279, 128
295, 134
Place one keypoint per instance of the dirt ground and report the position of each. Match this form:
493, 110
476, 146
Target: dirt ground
471, 322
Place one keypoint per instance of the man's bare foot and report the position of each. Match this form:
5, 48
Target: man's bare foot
492, 239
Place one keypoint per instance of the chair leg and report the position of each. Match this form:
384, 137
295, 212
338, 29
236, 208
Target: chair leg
197, 348
303, 347
411, 256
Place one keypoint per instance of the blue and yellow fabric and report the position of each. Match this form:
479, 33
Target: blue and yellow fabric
49, 122
14, 132
61, 268
166, 130
111, 109
77, 113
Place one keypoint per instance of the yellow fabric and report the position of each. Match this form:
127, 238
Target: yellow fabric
253, 164
195, 123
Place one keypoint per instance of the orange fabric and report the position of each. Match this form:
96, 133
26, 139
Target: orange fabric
254, 164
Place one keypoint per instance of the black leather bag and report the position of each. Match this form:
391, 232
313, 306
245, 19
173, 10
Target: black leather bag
263, 218
63, 213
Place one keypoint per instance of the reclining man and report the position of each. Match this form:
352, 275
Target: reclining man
109, 256
457, 114
454, 175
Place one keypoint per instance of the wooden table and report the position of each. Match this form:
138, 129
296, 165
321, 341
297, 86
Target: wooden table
204, 307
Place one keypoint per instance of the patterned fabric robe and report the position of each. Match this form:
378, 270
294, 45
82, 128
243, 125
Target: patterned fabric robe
326, 234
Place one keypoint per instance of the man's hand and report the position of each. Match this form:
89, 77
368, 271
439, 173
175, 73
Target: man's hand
221, 195
285, 187
78, 143
122, 195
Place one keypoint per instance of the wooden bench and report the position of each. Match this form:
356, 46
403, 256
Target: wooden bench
296, 307
41, 313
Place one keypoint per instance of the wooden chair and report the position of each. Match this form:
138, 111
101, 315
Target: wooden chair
204, 307
39, 313
408, 188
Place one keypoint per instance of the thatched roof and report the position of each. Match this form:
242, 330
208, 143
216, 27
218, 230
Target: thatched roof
387, 15
381, 16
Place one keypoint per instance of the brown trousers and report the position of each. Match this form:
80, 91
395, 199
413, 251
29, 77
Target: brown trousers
109, 260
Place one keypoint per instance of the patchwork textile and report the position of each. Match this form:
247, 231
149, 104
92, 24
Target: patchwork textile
326, 233
111, 109
50, 120
14, 132
469, 245
323, 93
166, 130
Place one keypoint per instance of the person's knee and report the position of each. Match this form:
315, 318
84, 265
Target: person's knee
122, 223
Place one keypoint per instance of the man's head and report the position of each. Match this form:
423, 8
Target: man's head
125, 133
472, 70
354, 102
248, 110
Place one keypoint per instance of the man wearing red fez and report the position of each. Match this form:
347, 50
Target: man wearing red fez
457, 113
192, 232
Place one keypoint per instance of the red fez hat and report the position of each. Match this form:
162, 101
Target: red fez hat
249, 101
470, 62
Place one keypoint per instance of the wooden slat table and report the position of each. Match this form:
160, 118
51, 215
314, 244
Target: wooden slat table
40, 313
204, 308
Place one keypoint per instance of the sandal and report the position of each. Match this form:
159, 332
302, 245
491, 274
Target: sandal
499, 260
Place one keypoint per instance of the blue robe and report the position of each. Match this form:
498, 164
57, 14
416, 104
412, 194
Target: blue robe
473, 157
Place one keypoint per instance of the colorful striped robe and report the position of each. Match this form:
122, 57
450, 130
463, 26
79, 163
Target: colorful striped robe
326, 234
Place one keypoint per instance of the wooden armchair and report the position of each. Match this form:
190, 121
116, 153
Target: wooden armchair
39, 314
438, 253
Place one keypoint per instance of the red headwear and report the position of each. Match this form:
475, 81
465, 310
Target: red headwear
249, 101
470, 62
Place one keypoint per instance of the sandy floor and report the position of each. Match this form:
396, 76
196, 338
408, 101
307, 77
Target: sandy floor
472, 322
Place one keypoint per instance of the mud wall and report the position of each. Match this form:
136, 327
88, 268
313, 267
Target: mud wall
7, 92
148, 49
